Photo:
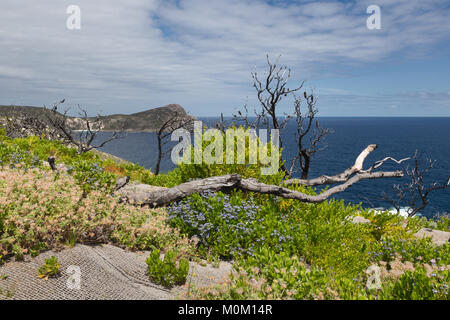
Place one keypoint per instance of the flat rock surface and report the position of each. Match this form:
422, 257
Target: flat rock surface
439, 237
359, 219
106, 273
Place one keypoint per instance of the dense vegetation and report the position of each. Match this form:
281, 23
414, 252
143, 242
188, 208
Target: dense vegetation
280, 248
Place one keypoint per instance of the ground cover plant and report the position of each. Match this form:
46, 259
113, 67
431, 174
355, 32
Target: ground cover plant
280, 249
50, 268
165, 271
41, 209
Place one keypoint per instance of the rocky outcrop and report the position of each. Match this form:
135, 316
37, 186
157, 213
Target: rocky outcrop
439, 237
360, 220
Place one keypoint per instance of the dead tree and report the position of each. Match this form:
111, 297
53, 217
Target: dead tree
221, 124
307, 126
271, 90
158, 196
414, 194
88, 130
168, 126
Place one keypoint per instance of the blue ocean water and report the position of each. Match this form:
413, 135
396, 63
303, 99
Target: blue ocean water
396, 137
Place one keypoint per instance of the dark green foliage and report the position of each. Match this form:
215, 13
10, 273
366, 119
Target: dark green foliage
166, 272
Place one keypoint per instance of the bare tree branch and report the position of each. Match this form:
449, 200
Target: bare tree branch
86, 137
342, 177
169, 125
415, 191
270, 92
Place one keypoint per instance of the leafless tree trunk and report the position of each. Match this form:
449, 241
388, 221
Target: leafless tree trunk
157, 196
270, 92
307, 126
91, 128
414, 194
221, 124
174, 122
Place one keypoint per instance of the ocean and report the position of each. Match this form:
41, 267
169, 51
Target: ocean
396, 137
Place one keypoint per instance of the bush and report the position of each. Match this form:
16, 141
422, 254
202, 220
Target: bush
268, 275
12, 156
166, 272
41, 210
195, 171
417, 251
418, 285
229, 226
90, 171
50, 268
168, 180
92, 176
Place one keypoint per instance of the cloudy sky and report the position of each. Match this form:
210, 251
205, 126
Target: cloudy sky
132, 55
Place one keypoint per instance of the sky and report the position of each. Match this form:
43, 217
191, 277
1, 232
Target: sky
133, 55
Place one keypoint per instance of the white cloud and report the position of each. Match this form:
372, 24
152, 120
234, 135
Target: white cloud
132, 54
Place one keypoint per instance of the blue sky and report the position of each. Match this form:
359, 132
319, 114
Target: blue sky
132, 55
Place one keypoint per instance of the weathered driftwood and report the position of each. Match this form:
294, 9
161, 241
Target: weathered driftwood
347, 174
158, 196
121, 182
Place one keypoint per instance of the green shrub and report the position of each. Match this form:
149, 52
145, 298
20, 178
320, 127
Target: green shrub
230, 226
50, 268
384, 222
417, 285
166, 272
440, 222
168, 180
417, 251
195, 171
268, 275
90, 171
92, 176
41, 210
11, 155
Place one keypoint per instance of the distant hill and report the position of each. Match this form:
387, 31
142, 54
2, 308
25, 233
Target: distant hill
145, 121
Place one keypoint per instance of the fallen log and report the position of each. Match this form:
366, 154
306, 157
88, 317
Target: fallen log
158, 196
154, 196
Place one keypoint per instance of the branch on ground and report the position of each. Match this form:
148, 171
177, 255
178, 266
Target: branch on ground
164, 196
